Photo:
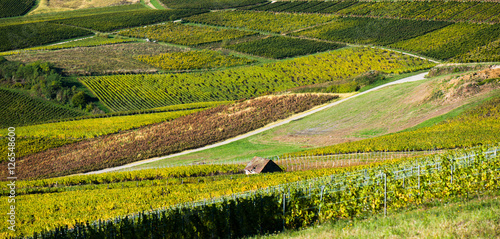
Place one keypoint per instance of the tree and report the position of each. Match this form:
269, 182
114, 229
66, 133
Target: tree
79, 100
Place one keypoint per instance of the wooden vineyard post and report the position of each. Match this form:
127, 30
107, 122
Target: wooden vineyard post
321, 199
284, 200
385, 195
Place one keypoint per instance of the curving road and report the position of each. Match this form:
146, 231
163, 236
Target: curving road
273, 125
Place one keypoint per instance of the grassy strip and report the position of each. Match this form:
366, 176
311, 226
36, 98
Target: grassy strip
459, 217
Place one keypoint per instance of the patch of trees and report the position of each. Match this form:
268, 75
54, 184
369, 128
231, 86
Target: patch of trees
43, 80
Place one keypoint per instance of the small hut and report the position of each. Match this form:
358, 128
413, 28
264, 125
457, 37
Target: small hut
262, 165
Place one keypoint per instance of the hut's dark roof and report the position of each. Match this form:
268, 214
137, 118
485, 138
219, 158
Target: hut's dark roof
262, 165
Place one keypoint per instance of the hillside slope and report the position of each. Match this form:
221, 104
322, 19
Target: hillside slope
386, 111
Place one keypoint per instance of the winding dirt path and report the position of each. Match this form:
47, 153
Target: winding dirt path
148, 2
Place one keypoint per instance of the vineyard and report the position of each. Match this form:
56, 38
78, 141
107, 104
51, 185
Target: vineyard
193, 60
303, 6
90, 85
24, 110
54, 134
185, 172
262, 21
185, 34
108, 59
453, 11
191, 131
486, 53
114, 21
282, 47
35, 34
285, 200
12, 8
371, 31
150, 91
86, 42
208, 4
451, 41
91, 128
53, 6
109, 200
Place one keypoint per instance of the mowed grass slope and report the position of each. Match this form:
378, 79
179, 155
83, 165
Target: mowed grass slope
51, 6
476, 126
